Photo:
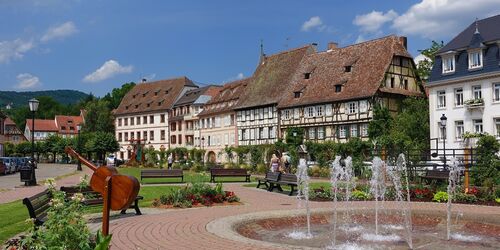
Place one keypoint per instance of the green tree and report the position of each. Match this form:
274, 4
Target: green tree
115, 97
424, 67
9, 149
488, 162
98, 117
410, 127
102, 143
229, 153
294, 136
24, 148
380, 127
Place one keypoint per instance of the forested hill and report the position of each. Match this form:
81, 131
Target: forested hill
21, 98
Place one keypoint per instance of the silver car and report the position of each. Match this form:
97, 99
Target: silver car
10, 164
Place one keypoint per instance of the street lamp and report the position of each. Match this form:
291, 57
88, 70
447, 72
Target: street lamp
443, 132
202, 153
33, 103
79, 164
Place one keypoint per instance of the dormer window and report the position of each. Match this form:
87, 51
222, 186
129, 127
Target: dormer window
448, 64
475, 59
296, 94
348, 68
338, 88
307, 75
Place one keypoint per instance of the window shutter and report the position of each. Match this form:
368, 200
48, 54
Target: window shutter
363, 106
251, 115
328, 110
239, 135
296, 113
266, 133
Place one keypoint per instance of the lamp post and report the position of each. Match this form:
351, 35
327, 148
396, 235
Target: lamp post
443, 131
79, 164
33, 103
202, 153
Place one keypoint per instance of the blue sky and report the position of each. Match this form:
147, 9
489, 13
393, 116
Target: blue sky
94, 46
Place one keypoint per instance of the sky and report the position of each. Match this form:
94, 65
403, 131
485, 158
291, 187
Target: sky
96, 45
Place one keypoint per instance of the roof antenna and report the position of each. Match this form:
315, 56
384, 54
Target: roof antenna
477, 28
287, 41
262, 55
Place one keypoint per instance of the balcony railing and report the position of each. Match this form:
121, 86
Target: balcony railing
474, 103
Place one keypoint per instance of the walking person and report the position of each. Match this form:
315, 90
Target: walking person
275, 161
285, 160
170, 160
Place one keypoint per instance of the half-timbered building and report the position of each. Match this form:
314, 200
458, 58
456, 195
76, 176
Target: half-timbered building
332, 93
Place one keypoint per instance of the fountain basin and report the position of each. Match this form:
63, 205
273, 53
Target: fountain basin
286, 228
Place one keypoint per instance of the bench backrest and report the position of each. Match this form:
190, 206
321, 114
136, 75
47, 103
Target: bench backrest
272, 176
70, 191
288, 177
38, 204
238, 171
437, 173
161, 172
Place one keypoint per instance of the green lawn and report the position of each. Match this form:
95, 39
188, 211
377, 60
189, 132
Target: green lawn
13, 219
188, 177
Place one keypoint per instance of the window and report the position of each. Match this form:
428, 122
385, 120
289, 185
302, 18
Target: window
138, 120
132, 121
119, 122
261, 133
243, 134
478, 126
393, 79
354, 130
348, 68
162, 118
151, 119
296, 94
312, 133
338, 88
459, 130
145, 134
132, 135
179, 139
126, 136
342, 131
496, 92
476, 91
352, 107
459, 97
310, 112
405, 84
364, 129
441, 102
173, 139
231, 121
180, 126
442, 132
151, 135
120, 137
272, 132
307, 75
138, 135
125, 121
162, 135
144, 120
319, 111
497, 127
321, 133
448, 64
287, 114
475, 59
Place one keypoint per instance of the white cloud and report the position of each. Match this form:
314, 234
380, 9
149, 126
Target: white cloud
240, 76
360, 39
374, 20
313, 22
443, 18
59, 32
107, 70
27, 81
14, 49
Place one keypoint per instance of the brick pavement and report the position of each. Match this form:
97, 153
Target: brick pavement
186, 228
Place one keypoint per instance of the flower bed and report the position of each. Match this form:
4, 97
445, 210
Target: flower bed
197, 194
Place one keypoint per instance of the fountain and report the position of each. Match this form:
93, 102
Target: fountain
364, 225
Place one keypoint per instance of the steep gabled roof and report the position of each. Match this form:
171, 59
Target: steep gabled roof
368, 62
68, 122
191, 96
488, 28
272, 77
43, 125
226, 98
153, 96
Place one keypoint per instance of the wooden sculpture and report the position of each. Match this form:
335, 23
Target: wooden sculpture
118, 191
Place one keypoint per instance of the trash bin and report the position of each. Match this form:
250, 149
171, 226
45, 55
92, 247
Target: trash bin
26, 173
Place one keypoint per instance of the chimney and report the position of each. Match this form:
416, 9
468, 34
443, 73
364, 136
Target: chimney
404, 41
144, 80
332, 45
315, 46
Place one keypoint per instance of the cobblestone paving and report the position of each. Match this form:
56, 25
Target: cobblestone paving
186, 228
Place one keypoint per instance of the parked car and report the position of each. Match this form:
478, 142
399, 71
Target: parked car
3, 168
10, 164
20, 162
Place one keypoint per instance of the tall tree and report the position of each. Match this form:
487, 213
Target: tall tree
410, 128
380, 127
98, 117
424, 67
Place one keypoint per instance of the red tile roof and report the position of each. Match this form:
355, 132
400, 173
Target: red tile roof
43, 125
226, 97
9, 121
67, 124
369, 60
153, 96
272, 77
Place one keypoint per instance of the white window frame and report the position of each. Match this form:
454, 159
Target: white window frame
352, 107
477, 92
496, 121
320, 132
478, 125
441, 99
286, 114
364, 129
475, 59
496, 92
448, 64
311, 132
342, 131
459, 130
320, 111
354, 130
459, 97
328, 110
309, 112
363, 106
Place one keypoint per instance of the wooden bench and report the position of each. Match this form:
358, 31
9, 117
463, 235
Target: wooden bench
162, 173
93, 198
436, 175
270, 176
38, 205
284, 179
228, 172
